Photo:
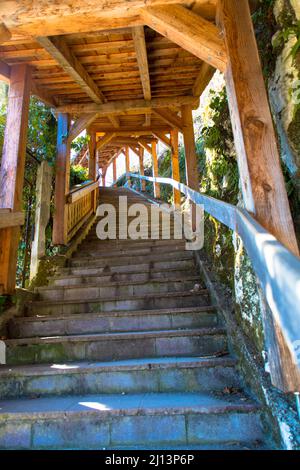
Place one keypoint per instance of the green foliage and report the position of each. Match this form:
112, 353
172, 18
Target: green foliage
42, 130
80, 143
265, 28
78, 175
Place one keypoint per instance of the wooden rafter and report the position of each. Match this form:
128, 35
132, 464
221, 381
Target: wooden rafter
5, 34
145, 146
105, 140
204, 76
138, 35
119, 107
58, 48
169, 117
190, 31
80, 124
163, 138
134, 150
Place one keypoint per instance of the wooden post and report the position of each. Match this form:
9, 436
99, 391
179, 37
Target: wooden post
114, 169
142, 169
127, 163
175, 166
62, 181
192, 177
42, 214
155, 168
104, 177
92, 156
259, 162
12, 170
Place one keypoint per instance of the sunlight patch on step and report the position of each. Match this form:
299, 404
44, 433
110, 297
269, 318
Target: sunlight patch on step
95, 405
63, 366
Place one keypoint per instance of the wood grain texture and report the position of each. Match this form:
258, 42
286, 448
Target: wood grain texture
141, 55
203, 78
190, 31
168, 116
80, 125
12, 169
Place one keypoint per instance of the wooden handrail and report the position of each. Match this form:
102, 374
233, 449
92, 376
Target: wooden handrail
82, 191
277, 269
8, 218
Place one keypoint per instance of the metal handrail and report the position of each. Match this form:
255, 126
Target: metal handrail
277, 269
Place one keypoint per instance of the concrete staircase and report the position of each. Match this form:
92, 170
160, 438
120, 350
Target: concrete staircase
124, 350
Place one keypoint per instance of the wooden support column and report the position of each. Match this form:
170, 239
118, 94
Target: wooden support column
42, 214
62, 181
142, 169
104, 176
155, 168
92, 156
259, 162
127, 163
175, 166
192, 177
12, 170
114, 162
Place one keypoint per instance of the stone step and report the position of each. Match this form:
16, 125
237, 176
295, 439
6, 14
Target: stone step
129, 259
117, 289
186, 262
148, 275
93, 241
127, 376
102, 421
88, 323
109, 304
114, 346
94, 252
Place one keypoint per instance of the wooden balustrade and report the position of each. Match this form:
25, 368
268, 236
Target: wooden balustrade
81, 204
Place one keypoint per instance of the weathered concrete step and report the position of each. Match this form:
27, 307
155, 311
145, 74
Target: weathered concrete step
102, 253
93, 241
130, 276
127, 376
87, 323
109, 304
142, 266
114, 346
95, 291
128, 260
101, 421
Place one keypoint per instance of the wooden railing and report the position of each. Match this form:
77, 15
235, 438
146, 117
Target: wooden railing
81, 203
278, 271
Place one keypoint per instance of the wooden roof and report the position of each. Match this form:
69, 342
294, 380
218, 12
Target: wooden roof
123, 78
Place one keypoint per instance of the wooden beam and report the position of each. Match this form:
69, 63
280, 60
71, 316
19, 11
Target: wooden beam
175, 166
133, 132
147, 122
135, 150
12, 170
155, 169
42, 95
163, 138
142, 169
145, 146
105, 140
138, 36
190, 31
262, 181
62, 182
57, 47
31, 19
119, 107
4, 72
80, 124
169, 117
204, 76
5, 34
11, 219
